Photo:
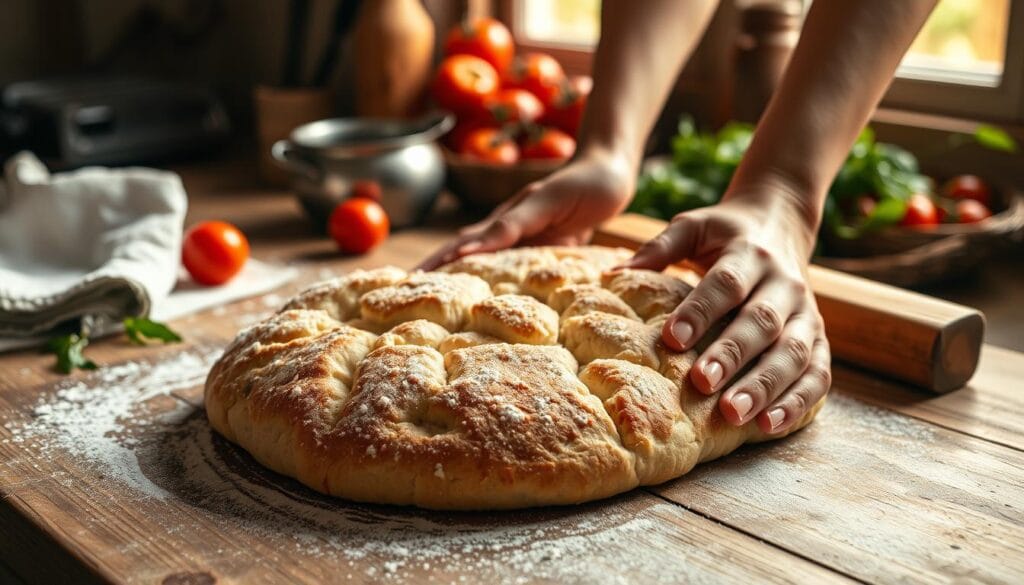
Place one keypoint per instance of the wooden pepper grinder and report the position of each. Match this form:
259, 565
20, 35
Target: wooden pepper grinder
393, 46
768, 34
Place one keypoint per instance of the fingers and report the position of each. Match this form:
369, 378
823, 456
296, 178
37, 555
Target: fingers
799, 398
758, 325
675, 243
513, 220
727, 284
780, 370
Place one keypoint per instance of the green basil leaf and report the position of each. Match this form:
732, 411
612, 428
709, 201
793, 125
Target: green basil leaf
886, 212
140, 328
68, 349
994, 138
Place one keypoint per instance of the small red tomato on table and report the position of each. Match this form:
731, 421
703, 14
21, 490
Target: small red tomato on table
464, 82
921, 212
358, 224
537, 73
213, 252
548, 144
491, 145
971, 211
486, 38
968, 187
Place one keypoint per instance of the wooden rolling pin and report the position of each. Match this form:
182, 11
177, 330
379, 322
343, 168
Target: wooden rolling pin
915, 338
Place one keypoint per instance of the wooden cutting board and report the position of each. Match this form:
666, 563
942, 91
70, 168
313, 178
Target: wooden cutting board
114, 476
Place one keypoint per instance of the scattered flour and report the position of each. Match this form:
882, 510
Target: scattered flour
170, 458
98, 418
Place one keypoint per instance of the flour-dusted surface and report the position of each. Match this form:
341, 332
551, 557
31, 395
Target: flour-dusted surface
137, 427
140, 490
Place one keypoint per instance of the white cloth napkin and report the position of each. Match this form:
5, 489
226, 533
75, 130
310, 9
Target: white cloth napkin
97, 245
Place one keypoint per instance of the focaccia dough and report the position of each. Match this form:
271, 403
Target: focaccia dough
520, 378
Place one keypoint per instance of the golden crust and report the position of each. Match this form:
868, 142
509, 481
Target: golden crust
432, 389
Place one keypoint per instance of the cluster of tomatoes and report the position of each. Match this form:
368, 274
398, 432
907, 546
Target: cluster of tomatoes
962, 199
509, 107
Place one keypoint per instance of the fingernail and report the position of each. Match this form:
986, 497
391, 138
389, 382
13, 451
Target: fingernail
682, 331
713, 373
776, 417
742, 403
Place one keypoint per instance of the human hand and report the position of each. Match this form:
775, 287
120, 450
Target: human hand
755, 250
561, 209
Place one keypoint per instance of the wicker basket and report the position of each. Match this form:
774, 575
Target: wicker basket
482, 186
915, 257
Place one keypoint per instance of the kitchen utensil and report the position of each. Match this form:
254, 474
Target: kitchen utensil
919, 339
327, 156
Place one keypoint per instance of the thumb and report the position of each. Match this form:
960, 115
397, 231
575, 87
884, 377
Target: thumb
676, 242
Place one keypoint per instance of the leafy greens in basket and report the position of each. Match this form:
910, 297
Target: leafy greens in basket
702, 164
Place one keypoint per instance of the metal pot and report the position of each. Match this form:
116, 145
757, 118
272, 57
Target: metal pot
327, 156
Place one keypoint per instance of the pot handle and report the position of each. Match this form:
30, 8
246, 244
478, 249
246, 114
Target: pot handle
284, 152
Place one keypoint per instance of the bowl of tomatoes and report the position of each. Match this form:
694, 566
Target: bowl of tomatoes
517, 115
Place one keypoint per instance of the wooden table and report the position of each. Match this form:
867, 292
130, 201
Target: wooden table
115, 476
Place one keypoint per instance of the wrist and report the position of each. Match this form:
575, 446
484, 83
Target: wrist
781, 206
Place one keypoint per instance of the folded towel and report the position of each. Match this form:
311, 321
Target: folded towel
93, 245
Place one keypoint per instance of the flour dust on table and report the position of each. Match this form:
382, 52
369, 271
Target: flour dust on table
153, 448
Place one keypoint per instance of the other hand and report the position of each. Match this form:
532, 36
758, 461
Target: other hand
561, 209
755, 251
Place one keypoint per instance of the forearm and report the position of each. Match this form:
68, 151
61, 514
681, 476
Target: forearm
642, 48
846, 56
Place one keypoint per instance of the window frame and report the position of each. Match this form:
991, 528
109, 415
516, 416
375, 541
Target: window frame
1000, 103
575, 59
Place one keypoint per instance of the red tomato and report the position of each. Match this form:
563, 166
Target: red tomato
367, 189
537, 73
549, 143
921, 212
456, 139
463, 82
513, 105
482, 37
566, 113
968, 187
213, 252
971, 211
358, 224
491, 145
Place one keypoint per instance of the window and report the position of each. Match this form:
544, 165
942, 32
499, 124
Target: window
567, 29
571, 23
968, 61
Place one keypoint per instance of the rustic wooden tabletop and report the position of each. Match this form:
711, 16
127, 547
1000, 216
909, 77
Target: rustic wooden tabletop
114, 475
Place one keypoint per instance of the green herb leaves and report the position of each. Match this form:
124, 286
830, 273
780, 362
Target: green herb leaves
140, 328
69, 353
68, 348
994, 138
701, 168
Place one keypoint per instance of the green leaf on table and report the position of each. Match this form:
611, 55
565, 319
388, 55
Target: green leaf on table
994, 138
139, 329
68, 349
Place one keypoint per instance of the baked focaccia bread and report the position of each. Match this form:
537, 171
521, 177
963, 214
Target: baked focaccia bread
526, 377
